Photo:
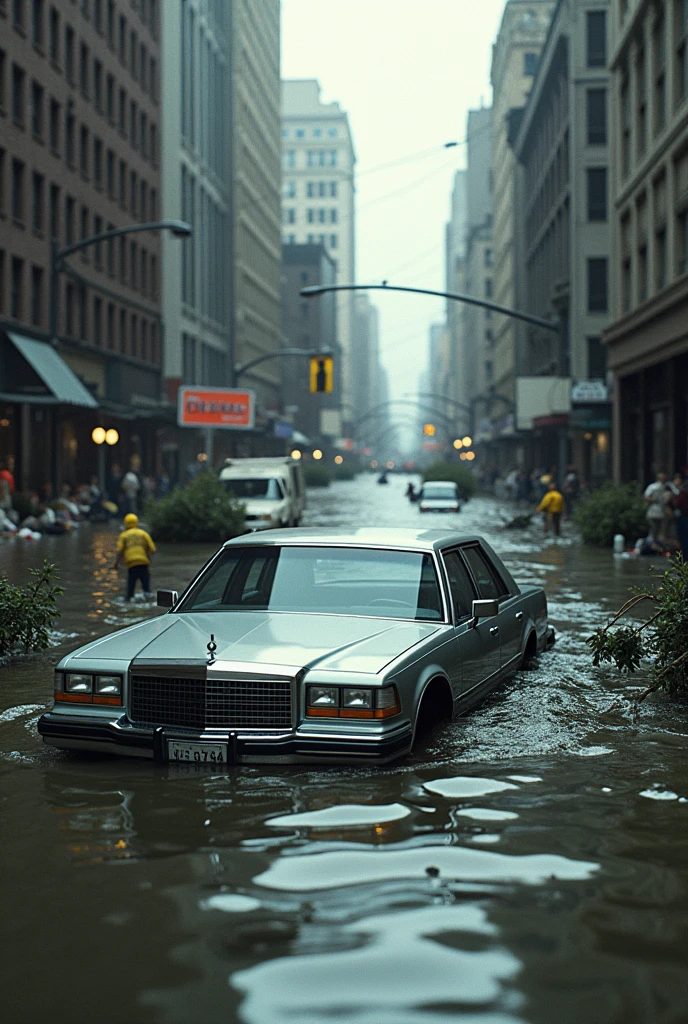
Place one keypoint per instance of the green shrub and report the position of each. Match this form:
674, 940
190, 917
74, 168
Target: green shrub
612, 509
27, 613
316, 475
461, 475
660, 637
202, 512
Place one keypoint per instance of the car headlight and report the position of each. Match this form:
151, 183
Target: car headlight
108, 686
78, 683
361, 699
323, 696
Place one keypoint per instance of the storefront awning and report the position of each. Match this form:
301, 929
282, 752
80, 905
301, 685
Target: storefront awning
58, 378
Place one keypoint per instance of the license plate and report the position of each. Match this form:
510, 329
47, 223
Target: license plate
196, 753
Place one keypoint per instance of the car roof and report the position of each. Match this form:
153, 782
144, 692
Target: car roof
379, 537
439, 483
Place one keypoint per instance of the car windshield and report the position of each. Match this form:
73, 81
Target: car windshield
439, 491
254, 488
338, 581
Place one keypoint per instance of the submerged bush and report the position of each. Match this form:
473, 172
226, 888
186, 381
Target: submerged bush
660, 638
27, 613
316, 475
455, 471
202, 512
614, 508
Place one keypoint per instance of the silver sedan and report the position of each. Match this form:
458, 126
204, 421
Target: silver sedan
304, 646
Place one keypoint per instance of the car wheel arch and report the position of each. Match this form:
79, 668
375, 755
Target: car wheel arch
435, 684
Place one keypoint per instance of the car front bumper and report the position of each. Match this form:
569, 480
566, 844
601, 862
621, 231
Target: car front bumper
306, 744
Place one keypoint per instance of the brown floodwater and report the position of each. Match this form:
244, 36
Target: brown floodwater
526, 863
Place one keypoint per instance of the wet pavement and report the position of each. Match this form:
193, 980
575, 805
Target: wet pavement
526, 864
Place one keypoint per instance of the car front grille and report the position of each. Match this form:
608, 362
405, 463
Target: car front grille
211, 704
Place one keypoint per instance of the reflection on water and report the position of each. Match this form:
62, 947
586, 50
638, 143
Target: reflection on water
525, 864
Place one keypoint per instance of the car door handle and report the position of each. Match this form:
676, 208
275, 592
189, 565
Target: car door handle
519, 616
494, 630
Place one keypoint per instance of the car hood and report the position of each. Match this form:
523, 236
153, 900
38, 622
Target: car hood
294, 641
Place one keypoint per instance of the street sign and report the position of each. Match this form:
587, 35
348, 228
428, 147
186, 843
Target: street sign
594, 390
217, 408
322, 374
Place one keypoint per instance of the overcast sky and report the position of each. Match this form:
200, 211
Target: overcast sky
406, 72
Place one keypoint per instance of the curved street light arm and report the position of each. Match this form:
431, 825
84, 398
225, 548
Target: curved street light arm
539, 321
177, 227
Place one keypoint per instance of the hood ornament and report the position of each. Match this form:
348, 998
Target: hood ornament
212, 647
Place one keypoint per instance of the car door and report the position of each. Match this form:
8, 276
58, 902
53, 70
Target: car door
478, 644
489, 587
509, 621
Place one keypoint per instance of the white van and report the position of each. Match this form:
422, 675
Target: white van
272, 489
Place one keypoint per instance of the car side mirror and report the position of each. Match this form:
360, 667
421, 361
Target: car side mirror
168, 598
484, 609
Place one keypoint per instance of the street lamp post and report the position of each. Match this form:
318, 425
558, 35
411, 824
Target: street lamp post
101, 437
179, 228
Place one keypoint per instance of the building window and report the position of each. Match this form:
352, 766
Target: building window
333, 241
17, 196
596, 26
98, 162
488, 257
321, 215
310, 189
83, 228
122, 197
625, 105
122, 39
122, 330
83, 69
597, 285
98, 86
110, 173
317, 133
70, 129
54, 211
597, 193
55, 126
333, 216
110, 326
659, 56
681, 44
597, 359
83, 151
54, 36
98, 246
123, 261
122, 112
133, 265
290, 157
70, 210
641, 101
110, 98
597, 116
37, 202
530, 64
17, 288
110, 249
332, 132
98, 16
19, 15
290, 189
290, 215
98, 320
69, 53
36, 296
37, 23
300, 133
18, 85
682, 242
333, 189
660, 258
488, 287
642, 272
37, 94
332, 158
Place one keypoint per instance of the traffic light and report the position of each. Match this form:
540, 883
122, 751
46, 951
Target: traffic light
429, 429
322, 374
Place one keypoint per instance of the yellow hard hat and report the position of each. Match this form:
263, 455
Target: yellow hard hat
131, 520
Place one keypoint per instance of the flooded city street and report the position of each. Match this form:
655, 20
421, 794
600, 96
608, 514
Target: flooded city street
527, 863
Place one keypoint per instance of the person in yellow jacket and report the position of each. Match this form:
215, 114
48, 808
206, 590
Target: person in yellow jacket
552, 505
136, 547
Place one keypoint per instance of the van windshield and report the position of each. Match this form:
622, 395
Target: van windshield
255, 488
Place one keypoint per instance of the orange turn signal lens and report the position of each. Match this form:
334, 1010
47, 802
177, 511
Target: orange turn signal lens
73, 698
114, 701
355, 713
387, 712
322, 712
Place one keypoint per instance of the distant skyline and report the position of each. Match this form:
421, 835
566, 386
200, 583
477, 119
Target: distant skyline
406, 73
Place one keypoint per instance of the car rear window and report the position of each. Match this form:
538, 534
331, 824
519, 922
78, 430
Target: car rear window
255, 488
490, 584
341, 581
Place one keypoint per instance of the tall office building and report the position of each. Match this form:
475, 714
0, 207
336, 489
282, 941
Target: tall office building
647, 342
221, 298
562, 144
79, 155
318, 200
515, 58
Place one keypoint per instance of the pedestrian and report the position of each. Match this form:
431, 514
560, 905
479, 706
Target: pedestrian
572, 487
131, 485
681, 517
7, 472
136, 547
552, 505
114, 484
657, 498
